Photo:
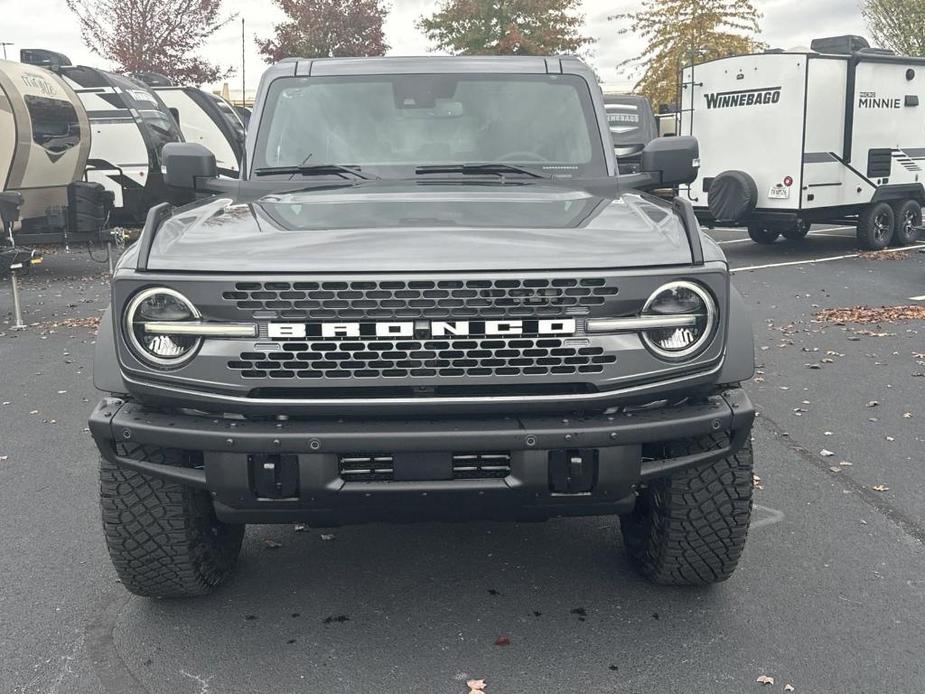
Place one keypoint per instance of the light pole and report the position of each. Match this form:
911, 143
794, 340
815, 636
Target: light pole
5, 44
242, 63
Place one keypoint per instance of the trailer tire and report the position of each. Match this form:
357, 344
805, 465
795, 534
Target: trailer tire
689, 529
733, 196
876, 226
163, 538
762, 233
796, 231
908, 214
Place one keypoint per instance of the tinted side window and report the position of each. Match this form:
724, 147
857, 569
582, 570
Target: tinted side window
54, 123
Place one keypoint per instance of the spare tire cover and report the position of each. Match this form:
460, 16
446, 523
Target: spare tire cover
733, 196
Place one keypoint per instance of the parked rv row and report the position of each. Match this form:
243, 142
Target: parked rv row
81, 147
831, 134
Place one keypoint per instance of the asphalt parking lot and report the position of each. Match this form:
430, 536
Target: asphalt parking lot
829, 597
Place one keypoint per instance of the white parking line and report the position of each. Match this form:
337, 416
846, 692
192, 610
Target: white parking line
774, 516
813, 261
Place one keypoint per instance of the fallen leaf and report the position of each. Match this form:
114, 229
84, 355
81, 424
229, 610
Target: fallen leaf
827, 433
272, 544
825, 453
503, 640
889, 438
845, 463
880, 488
756, 482
764, 679
907, 415
299, 527
788, 688
476, 685
835, 468
873, 403
327, 538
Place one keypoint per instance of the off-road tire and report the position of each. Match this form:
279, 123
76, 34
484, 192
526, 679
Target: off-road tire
796, 231
908, 214
164, 538
689, 529
876, 226
763, 234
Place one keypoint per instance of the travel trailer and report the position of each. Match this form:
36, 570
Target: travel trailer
208, 120
45, 143
632, 126
830, 134
129, 125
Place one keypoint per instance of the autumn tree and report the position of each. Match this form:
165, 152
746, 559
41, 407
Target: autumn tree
678, 32
327, 29
509, 27
153, 36
897, 24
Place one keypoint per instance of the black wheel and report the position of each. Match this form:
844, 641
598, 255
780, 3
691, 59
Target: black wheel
796, 231
875, 227
762, 233
690, 528
164, 538
908, 215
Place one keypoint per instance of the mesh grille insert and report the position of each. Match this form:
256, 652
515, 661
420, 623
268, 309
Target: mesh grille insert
422, 298
422, 359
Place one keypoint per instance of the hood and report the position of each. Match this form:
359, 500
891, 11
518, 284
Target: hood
396, 227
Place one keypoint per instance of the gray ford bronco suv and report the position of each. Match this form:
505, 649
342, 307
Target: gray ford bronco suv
430, 295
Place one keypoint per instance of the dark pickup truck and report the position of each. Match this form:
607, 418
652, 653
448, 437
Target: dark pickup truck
430, 295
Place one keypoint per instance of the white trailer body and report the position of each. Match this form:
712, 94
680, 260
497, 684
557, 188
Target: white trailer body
790, 139
210, 121
130, 125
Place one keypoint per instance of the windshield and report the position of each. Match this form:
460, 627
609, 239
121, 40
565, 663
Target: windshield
391, 124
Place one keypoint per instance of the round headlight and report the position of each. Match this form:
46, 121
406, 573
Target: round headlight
680, 299
159, 305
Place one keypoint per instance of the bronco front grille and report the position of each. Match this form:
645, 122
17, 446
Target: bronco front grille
423, 359
461, 299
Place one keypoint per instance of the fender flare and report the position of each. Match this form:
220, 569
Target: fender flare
739, 365
107, 376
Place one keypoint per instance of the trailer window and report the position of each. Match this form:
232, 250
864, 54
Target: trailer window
55, 125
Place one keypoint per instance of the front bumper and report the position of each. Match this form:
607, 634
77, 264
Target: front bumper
221, 458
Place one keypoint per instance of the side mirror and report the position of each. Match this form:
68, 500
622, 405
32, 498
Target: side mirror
188, 165
671, 161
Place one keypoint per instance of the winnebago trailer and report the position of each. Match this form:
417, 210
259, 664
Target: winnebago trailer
835, 134
129, 126
210, 121
632, 126
44, 147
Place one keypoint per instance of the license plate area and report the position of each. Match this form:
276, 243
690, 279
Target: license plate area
408, 466
779, 192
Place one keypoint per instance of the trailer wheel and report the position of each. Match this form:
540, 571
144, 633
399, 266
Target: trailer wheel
908, 215
762, 233
796, 231
876, 226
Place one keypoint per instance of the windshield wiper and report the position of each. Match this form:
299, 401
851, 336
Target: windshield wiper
314, 170
496, 169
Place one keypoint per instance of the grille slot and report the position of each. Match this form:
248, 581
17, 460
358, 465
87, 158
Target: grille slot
495, 357
461, 299
470, 466
365, 468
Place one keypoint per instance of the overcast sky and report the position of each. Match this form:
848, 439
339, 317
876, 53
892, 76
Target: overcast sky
48, 24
